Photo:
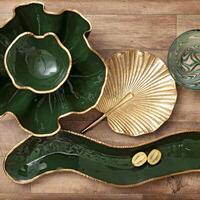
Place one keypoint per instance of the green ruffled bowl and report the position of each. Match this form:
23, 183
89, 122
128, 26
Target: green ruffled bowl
38, 110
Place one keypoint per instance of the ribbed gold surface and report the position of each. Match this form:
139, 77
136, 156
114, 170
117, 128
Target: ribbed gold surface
139, 95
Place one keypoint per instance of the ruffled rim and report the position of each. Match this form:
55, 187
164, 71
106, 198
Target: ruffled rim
91, 49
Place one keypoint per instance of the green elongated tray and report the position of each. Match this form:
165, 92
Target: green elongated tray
69, 151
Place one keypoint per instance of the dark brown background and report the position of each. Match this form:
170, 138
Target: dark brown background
117, 25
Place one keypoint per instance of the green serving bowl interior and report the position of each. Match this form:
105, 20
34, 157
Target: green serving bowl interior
38, 63
184, 59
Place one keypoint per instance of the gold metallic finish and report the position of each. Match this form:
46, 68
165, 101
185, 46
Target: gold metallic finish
139, 159
140, 93
154, 157
37, 37
88, 45
94, 179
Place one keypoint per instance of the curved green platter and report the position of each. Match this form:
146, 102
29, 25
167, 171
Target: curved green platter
39, 114
184, 59
68, 151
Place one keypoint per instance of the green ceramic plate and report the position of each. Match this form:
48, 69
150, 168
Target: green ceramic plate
68, 151
78, 91
184, 59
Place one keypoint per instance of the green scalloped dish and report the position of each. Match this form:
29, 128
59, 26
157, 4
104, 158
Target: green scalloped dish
38, 63
39, 114
68, 151
184, 59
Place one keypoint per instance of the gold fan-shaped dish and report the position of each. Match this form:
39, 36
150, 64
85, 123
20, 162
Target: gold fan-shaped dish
140, 93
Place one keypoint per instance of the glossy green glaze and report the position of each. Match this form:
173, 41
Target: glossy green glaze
39, 113
37, 156
184, 59
38, 63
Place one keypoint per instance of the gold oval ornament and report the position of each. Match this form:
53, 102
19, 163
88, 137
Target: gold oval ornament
139, 159
139, 95
154, 157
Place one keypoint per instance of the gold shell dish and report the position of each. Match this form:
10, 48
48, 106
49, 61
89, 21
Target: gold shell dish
139, 95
